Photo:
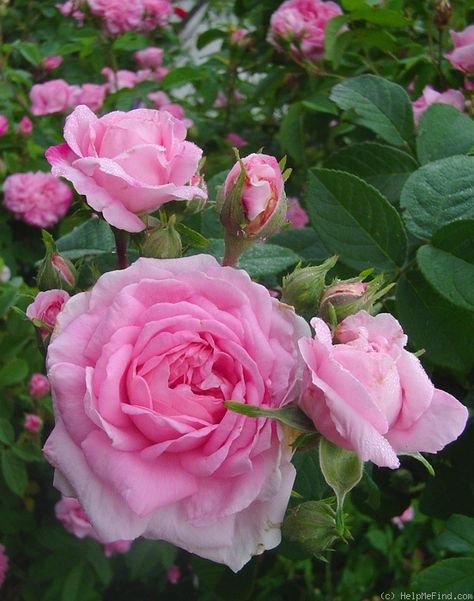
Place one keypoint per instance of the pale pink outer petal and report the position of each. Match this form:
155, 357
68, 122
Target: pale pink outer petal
417, 390
443, 421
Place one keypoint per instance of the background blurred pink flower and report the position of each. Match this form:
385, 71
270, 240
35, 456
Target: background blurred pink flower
149, 58
295, 213
25, 126
38, 386
53, 61
236, 140
39, 198
462, 56
3, 125
403, 518
173, 574
33, 423
3, 565
54, 96
430, 96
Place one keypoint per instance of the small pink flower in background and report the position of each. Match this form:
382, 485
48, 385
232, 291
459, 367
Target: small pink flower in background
468, 84
53, 61
177, 111
295, 213
156, 13
38, 386
302, 24
430, 96
235, 140
159, 99
112, 161
46, 307
462, 56
33, 423
366, 393
39, 198
173, 574
3, 565
25, 126
221, 100
149, 58
54, 96
238, 36
117, 80
406, 516
71, 8
92, 95
3, 125
118, 16
74, 519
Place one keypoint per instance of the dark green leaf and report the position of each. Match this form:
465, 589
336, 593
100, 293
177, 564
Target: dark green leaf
7, 434
290, 415
355, 221
180, 77
310, 482
28, 451
14, 472
291, 133
303, 241
458, 536
210, 35
94, 237
13, 371
455, 576
378, 104
146, 557
8, 297
443, 132
437, 194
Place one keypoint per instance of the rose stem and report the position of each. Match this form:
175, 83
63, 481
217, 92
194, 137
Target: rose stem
121, 243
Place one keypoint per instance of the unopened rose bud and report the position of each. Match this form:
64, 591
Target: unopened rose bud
173, 574
442, 13
302, 288
44, 310
38, 386
56, 272
163, 242
252, 203
33, 423
25, 126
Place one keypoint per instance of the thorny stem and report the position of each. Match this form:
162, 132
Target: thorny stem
121, 245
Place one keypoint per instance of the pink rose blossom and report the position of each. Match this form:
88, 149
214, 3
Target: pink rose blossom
3, 125
236, 140
140, 367
238, 36
160, 99
54, 96
118, 16
53, 61
118, 546
33, 423
430, 96
406, 516
462, 56
221, 100
38, 386
262, 190
302, 25
149, 58
38, 198
25, 126
92, 95
70, 8
366, 393
117, 80
295, 213
157, 13
46, 308
127, 163
173, 574
3, 565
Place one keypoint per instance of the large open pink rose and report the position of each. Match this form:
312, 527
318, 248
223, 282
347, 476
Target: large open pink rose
127, 163
369, 395
140, 368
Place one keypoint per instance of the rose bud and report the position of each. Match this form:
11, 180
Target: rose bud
442, 13
343, 298
252, 203
163, 242
33, 423
44, 310
38, 386
303, 288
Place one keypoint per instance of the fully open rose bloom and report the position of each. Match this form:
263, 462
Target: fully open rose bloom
430, 96
462, 55
55, 96
302, 25
46, 307
120, 16
127, 164
140, 368
37, 198
369, 395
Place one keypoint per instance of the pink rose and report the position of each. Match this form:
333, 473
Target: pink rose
127, 163
25, 126
33, 423
430, 96
37, 198
3, 125
366, 393
236, 140
295, 213
160, 99
302, 25
52, 61
149, 58
406, 516
54, 96
462, 56
70, 8
39, 385
140, 367
117, 80
237, 37
157, 13
173, 574
118, 16
3, 565
92, 95
262, 190
46, 308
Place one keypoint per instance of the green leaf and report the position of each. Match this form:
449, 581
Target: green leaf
28, 451
14, 472
210, 35
437, 194
342, 469
77, 584
191, 237
384, 167
289, 415
310, 482
7, 434
94, 237
380, 16
29, 51
379, 105
452, 277
320, 103
13, 371
458, 536
291, 134
419, 457
455, 576
180, 77
303, 241
332, 37
443, 330
443, 132
146, 557
8, 297
355, 221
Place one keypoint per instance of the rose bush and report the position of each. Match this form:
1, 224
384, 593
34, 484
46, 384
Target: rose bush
140, 368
